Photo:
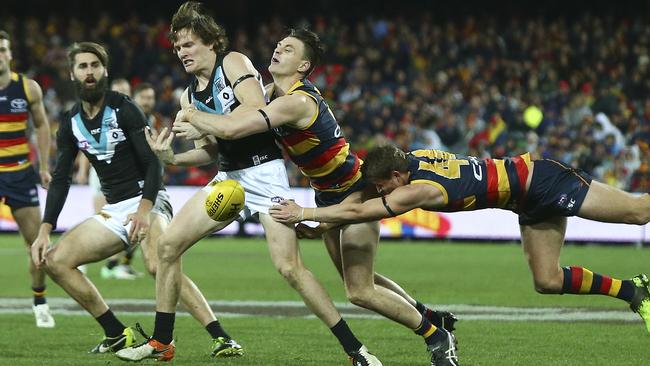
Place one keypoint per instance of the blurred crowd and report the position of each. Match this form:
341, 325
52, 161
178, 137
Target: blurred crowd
573, 90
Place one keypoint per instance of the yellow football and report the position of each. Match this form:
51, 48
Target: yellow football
225, 200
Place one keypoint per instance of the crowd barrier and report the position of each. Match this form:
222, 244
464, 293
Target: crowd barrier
418, 224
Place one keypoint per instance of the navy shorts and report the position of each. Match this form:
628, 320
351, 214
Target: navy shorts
18, 189
324, 199
555, 190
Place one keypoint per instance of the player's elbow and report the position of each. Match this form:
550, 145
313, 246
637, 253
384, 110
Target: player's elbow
229, 134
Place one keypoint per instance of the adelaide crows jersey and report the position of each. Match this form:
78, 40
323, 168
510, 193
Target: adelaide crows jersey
320, 149
14, 113
468, 183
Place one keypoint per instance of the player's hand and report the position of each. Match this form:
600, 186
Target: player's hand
46, 178
161, 144
287, 212
304, 231
187, 131
139, 225
39, 248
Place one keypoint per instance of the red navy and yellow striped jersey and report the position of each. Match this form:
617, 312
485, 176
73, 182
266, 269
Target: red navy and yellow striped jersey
468, 183
320, 149
14, 113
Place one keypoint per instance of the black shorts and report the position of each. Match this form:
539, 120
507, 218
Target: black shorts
324, 199
555, 190
18, 189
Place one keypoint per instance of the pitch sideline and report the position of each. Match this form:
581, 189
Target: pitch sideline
230, 309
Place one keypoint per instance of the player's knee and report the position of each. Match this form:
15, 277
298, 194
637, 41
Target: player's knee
151, 268
641, 213
52, 266
290, 272
548, 285
359, 296
167, 251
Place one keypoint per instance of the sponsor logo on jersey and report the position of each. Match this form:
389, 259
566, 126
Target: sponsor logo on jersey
18, 105
220, 84
83, 145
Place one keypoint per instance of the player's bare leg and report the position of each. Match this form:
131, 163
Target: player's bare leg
443, 319
542, 243
28, 220
285, 254
186, 228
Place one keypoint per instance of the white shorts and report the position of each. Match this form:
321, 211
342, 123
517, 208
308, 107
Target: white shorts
264, 186
94, 183
113, 215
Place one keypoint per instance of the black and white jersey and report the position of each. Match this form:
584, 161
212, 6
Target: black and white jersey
219, 98
114, 143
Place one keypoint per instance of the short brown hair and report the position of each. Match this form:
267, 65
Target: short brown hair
382, 160
88, 47
141, 87
314, 49
193, 16
5, 35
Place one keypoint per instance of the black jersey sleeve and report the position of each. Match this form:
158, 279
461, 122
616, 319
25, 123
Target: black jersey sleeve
133, 123
66, 152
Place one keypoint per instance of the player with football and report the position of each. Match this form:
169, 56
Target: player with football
225, 82
304, 124
542, 192
108, 128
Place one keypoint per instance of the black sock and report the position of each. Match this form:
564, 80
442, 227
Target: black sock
111, 263
128, 257
343, 333
215, 330
112, 326
39, 295
164, 328
420, 307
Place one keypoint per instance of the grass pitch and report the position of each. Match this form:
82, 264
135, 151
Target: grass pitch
239, 269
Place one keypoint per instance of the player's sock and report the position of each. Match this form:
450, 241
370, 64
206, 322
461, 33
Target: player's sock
215, 330
39, 295
128, 257
428, 313
164, 327
579, 280
429, 332
111, 263
345, 336
112, 326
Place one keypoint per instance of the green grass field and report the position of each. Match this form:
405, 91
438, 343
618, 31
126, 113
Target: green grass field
239, 269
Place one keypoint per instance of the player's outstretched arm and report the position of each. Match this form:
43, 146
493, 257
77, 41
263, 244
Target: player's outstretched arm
401, 200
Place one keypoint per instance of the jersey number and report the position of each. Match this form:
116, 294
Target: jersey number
450, 169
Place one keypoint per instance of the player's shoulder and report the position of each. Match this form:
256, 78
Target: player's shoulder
235, 57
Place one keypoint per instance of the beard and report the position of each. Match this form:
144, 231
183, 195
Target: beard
92, 94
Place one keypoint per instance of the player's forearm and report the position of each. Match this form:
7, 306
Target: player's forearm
43, 138
345, 213
145, 205
223, 126
45, 229
194, 157
56, 196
